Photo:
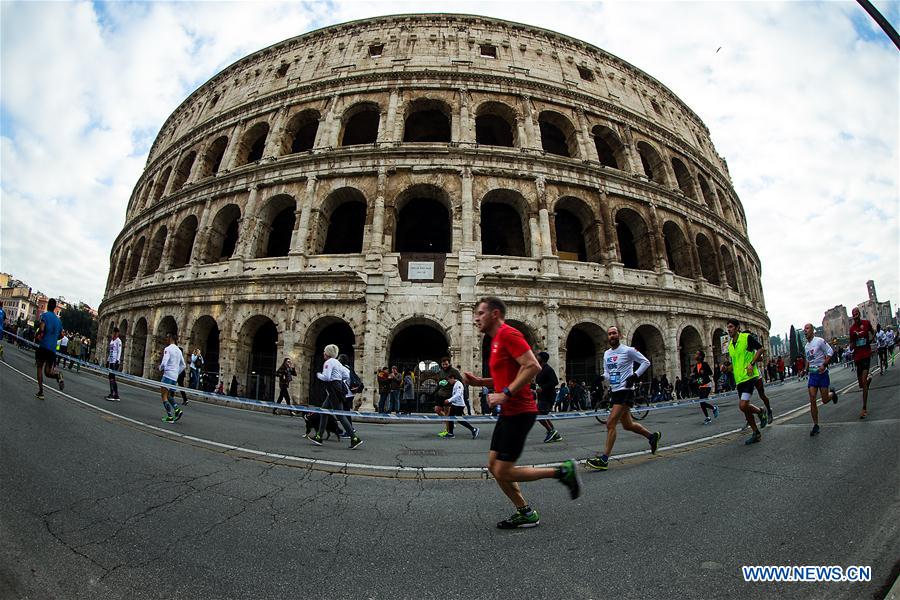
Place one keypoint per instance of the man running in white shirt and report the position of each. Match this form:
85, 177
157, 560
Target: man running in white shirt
881, 343
172, 364
332, 375
891, 341
457, 404
818, 355
113, 363
618, 368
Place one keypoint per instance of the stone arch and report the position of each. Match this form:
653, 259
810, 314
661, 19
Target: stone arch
184, 170
585, 344
223, 234
341, 222
256, 357
654, 167
423, 220
326, 330
167, 324
648, 340
212, 158
205, 335
689, 342
138, 347
635, 244
417, 339
725, 203
120, 270
718, 356
504, 224
728, 265
495, 125
183, 242
427, 120
146, 195
252, 145
278, 219
683, 178
610, 149
558, 134
300, 132
575, 231
745, 280
134, 263
360, 124
708, 266
154, 256
678, 250
160, 187
123, 335
707, 193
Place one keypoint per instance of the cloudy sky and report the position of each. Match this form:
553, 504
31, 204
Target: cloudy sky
802, 99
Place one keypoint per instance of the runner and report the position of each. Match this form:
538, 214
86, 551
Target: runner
285, 375
703, 378
745, 350
457, 405
891, 341
618, 368
546, 382
818, 356
113, 364
861, 336
333, 376
512, 366
171, 366
45, 355
882, 344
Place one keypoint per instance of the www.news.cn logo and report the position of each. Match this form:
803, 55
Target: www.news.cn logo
803, 574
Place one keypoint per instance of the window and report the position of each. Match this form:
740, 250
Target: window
376, 50
488, 50
656, 107
282, 71
585, 73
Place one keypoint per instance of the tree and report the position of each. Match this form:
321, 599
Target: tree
795, 352
79, 321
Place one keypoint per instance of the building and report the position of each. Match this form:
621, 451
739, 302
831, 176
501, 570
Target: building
366, 183
836, 323
18, 304
879, 313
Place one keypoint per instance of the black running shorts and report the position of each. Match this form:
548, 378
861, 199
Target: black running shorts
746, 387
862, 364
44, 356
509, 436
625, 397
544, 408
457, 411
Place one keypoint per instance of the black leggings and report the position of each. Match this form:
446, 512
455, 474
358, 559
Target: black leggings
283, 394
458, 411
705, 406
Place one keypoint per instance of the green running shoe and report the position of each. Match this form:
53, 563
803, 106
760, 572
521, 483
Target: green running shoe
598, 463
654, 441
443, 434
568, 476
763, 419
556, 437
168, 419
520, 521
754, 439
178, 412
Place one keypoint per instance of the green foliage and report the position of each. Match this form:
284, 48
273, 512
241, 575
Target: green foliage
79, 321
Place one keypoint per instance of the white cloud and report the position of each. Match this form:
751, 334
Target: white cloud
800, 98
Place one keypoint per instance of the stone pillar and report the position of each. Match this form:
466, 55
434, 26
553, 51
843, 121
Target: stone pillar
531, 130
587, 150
631, 155
468, 209
723, 278
535, 231
373, 344
695, 254
234, 142
328, 132
390, 120
673, 354
551, 309
249, 227
467, 343
202, 236
656, 233
375, 247
466, 129
300, 239
274, 146
520, 132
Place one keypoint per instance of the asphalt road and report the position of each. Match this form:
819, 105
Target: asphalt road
92, 506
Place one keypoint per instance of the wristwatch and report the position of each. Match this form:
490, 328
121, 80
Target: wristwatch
506, 392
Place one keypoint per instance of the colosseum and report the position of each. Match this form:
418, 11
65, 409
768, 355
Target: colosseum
364, 184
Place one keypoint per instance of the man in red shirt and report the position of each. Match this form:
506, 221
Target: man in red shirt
861, 337
512, 367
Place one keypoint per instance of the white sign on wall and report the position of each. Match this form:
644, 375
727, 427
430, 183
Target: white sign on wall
420, 271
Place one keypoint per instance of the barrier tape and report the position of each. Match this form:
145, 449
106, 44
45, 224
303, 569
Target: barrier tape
656, 406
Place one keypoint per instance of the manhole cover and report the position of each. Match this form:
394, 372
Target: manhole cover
424, 452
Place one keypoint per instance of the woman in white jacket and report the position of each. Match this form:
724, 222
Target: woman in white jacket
332, 375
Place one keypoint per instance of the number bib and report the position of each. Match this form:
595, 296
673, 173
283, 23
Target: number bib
614, 378
861, 342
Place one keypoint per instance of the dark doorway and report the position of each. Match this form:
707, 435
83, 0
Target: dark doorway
338, 333
423, 225
263, 354
419, 349
429, 125
493, 130
361, 128
581, 357
345, 229
501, 230
569, 236
553, 139
282, 230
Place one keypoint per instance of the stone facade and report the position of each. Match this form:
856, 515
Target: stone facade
283, 201
836, 323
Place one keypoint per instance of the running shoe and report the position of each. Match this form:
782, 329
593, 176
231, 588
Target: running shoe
316, 439
707, 421
475, 432
598, 463
556, 437
520, 521
39, 395
61, 382
568, 476
178, 412
168, 419
654, 441
716, 411
549, 437
862, 415
443, 434
753, 439
815, 430
834, 395
763, 419
450, 435
769, 414
355, 443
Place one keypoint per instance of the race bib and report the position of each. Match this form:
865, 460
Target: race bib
861, 342
614, 378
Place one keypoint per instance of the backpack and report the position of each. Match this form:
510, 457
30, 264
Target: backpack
356, 384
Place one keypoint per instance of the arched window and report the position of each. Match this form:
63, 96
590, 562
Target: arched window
183, 171
427, 121
161, 184
503, 224
342, 222
253, 144
678, 252
495, 125
183, 242
212, 161
361, 124
135, 262
300, 132
689, 342
275, 240
156, 250
708, 265
423, 221
576, 234
728, 263
558, 134
648, 340
635, 246
654, 168
685, 183
223, 235
610, 150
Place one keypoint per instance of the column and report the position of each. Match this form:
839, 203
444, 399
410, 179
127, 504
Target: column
468, 208
531, 134
274, 146
535, 231
202, 235
465, 133
390, 126
587, 150
656, 233
375, 247
231, 150
673, 354
300, 239
249, 227
695, 254
520, 132
551, 307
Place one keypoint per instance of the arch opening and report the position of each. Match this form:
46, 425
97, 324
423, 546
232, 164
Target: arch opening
635, 246
183, 242
728, 264
280, 216
684, 179
678, 252
648, 340
427, 121
689, 342
154, 255
361, 125
708, 266
214, 155
253, 144
223, 235
557, 135
653, 165
502, 224
138, 347
332, 331
342, 222
610, 150
423, 222
300, 132
495, 125
585, 346
135, 264
183, 171
205, 337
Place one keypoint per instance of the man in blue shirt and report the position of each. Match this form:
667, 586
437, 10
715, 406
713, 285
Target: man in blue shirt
45, 355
